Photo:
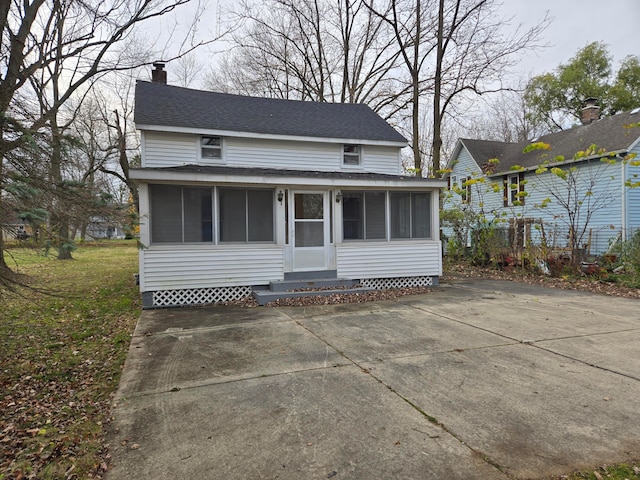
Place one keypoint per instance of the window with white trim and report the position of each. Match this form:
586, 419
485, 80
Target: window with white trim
514, 193
368, 215
211, 148
351, 155
185, 214
246, 215
181, 214
364, 215
410, 215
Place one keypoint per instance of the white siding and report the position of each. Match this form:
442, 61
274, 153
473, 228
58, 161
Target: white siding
163, 149
381, 160
247, 152
388, 259
181, 266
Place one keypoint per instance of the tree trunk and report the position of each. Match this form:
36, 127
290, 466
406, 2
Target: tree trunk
60, 218
437, 114
415, 78
4, 268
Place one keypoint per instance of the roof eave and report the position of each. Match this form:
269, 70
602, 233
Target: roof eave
162, 175
556, 164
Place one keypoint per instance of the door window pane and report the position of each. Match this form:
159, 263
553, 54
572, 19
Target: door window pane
308, 206
309, 234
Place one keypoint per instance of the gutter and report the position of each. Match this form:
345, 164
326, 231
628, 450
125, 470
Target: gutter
617, 153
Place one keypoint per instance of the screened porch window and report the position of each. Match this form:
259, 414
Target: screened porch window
181, 214
246, 215
367, 215
410, 215
364, 215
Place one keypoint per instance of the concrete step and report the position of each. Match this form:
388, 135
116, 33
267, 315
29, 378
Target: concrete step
265, 296
287, 285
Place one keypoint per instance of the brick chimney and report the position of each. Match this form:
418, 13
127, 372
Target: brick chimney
158, 75
591, 111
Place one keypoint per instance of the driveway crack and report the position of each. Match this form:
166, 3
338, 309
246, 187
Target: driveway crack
414, 406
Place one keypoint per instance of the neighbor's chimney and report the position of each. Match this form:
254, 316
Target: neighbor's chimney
158, 75
591, 111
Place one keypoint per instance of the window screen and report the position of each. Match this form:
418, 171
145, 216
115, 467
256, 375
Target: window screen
364, 215
410, 215
246, 215
166, 213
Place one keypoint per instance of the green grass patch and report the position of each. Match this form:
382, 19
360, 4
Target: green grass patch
63, 343
630, 471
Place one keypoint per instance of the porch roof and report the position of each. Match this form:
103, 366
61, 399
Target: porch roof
273, 176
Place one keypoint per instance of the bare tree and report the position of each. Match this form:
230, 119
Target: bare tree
320, 50
40, 40
502, 116
187, 70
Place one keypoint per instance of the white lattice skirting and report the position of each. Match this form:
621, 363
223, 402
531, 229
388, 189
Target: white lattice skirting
194, 296
398, 282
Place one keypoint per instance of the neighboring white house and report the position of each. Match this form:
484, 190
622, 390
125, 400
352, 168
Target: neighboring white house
238, 192
600, 199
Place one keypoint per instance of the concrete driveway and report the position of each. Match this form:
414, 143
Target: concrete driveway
477, 380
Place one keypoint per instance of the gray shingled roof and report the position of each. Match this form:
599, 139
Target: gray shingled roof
275, 172
608, 133
166, 105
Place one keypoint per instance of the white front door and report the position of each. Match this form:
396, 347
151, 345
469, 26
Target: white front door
310, 230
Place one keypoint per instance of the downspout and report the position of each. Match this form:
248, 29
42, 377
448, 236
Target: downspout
623, 225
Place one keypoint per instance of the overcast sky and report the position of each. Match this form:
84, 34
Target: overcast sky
577, 23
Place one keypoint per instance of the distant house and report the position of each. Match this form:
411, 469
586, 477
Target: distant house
239, 192
514, 183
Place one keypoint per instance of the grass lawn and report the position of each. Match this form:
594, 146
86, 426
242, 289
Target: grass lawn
61, 354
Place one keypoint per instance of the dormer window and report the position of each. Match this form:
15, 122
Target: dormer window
211, 148
351, 155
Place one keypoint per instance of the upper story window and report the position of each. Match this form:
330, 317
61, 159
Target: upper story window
465, 190
514, 193
211, 148
351, 155
453, 182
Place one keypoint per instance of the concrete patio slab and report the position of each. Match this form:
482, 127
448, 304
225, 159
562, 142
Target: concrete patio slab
532, 413
477, 379
337, 422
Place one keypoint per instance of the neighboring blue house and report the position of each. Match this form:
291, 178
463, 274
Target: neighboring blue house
520, 185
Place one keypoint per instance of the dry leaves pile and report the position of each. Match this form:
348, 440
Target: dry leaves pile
585, 283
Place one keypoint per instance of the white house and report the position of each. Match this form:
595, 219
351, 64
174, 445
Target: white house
237, 193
